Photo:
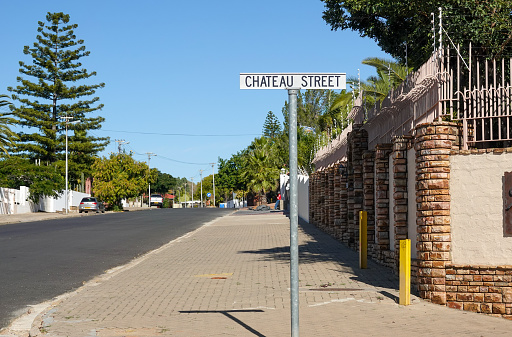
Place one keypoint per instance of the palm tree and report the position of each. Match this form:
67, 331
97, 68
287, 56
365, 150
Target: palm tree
336, 117
390, 75
261, 172
7, 137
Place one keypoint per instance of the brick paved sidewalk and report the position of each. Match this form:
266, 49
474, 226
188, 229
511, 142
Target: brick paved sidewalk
231, 278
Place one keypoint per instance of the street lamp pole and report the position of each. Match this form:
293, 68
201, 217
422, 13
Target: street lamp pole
66, 203
149, 184
213, 170
185, 195
201, 175
192, 196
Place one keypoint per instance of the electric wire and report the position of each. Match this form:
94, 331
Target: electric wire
182, 134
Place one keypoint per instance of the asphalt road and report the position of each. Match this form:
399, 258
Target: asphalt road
44, 259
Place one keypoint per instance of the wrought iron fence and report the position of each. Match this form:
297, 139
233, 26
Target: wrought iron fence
476, 94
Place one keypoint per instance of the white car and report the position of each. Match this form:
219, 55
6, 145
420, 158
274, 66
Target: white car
156, 200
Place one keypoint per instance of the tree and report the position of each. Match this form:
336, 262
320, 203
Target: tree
311, 104
52, 94
390, 75
336, 116
44, 181
120, 177
261, 172
6, 135
271, 127
208, 187
229, 177
164, 183
401, 27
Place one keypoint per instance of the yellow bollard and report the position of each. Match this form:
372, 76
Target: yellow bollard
405, 272
363, 240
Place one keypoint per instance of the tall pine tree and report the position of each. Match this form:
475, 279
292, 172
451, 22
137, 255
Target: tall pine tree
271, 127
52, 94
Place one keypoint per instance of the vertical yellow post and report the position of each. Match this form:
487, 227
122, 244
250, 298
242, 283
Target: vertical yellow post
363, 240
405, 272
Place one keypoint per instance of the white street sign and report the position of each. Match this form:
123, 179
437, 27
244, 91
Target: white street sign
293, 81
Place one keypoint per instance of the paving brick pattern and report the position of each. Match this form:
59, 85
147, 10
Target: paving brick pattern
231, 278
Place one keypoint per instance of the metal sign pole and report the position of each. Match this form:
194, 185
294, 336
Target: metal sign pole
297, 81
294, 213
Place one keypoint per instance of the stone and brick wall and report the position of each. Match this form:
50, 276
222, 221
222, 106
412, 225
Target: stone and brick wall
366, 186
399, 193
433, 144
482, 289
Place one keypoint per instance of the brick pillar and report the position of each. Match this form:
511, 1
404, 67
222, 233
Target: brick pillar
433, 144
358, 144
312, 197
316, 201
317, 198
400, 192
369, 194
336, 204
323, 200
343, 205
382, 195
330, 200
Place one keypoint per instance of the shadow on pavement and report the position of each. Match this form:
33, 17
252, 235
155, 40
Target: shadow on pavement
228, 313
321, 247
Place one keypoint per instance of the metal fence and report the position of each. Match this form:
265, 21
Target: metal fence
476, 94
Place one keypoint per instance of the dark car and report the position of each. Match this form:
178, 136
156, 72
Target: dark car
91, 204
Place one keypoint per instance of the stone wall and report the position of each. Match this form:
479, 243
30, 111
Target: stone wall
363, 183
482, 289
433, 144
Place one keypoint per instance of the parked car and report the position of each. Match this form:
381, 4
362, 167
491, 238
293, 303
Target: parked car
91, 204
156, 200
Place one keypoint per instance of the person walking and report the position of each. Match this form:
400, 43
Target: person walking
277, 202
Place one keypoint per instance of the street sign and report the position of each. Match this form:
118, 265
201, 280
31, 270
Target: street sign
293, 81
208, 194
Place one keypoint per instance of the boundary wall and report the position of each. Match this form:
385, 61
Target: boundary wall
302, 190
14, 201
451, 203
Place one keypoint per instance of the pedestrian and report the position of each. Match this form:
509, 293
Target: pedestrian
277, 202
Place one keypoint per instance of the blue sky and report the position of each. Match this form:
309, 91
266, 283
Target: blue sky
172, 67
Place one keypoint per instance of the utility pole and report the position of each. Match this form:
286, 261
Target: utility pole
185, 195
213, 170
121, 142
67, 119
201, 175
150, 154
192, 184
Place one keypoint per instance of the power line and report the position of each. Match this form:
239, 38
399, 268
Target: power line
183, 162
183, 134
166, 158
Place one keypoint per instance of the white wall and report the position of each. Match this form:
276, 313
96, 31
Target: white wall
236, 203
303, 190
477, 209
411, 201
7, 200
14, 201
